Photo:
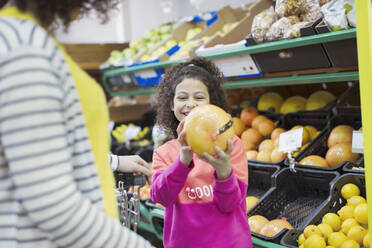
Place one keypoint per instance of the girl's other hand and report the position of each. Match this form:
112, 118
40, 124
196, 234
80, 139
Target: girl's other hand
221, 163
135, 164
185, 152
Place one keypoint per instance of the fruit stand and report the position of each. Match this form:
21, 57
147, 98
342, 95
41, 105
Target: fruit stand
311, 198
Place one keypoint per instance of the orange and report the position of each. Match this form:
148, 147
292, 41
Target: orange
248, 114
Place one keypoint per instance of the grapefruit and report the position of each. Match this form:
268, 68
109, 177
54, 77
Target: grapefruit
340, 134
274, 227
277, 156
201, 126
314, 160
238, 125
264, 156
256, 222
266, 145
276, 132
270, 101
252, 155
319, 99
293, 104
340, 153
248, 114
250, 201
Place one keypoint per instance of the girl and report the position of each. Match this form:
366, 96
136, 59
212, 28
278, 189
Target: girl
204, 196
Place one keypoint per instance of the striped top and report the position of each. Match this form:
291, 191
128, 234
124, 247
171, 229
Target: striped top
50, 195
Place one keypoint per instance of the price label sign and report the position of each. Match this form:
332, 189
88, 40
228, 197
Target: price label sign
290, 141
357, 143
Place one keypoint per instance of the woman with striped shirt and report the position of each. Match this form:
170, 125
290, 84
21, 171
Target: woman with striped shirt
56, 188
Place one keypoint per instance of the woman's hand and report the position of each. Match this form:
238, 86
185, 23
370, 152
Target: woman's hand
186, 152
135, 164
221, 163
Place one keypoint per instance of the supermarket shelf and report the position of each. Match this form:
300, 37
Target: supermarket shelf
283, 44
265, 47
263, 82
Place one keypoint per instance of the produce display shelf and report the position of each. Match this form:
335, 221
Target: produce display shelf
263, 82
265, 47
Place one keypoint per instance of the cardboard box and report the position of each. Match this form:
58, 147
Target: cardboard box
291, 59
341, 53
243, 29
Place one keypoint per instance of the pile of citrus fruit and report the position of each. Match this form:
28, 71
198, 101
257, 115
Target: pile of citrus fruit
260, 136
339, 149
348, 228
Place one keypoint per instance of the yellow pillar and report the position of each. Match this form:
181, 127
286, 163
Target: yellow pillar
364, 41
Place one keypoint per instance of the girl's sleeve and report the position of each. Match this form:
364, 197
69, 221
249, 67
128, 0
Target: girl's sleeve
168, 180
229, 193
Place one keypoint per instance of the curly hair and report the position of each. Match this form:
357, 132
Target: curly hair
48, 11
198, 68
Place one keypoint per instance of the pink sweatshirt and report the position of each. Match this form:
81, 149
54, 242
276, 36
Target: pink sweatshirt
201, 211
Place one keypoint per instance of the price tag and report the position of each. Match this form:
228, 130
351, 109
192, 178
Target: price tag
357, 143
290, 141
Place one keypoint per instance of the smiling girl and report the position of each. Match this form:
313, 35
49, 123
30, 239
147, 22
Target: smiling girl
204, 195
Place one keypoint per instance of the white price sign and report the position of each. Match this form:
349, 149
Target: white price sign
290, 141
357, 143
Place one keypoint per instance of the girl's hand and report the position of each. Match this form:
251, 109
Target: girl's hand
186, 152
135, 164
221, 163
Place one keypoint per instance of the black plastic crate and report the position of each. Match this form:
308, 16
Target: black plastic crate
319, 146
261, 178
334, 203
358, 167
290, 59
336, 52
295, 196
318, 119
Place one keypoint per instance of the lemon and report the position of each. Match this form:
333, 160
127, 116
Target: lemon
360, 213
357, 233
250, 201
330, 246
302, 246
326, 229
366, 240
336, 239
311, 230
356, 200
347, 224
315, 241
333, 220
350, 244
349, 190
301, 239
346, 212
